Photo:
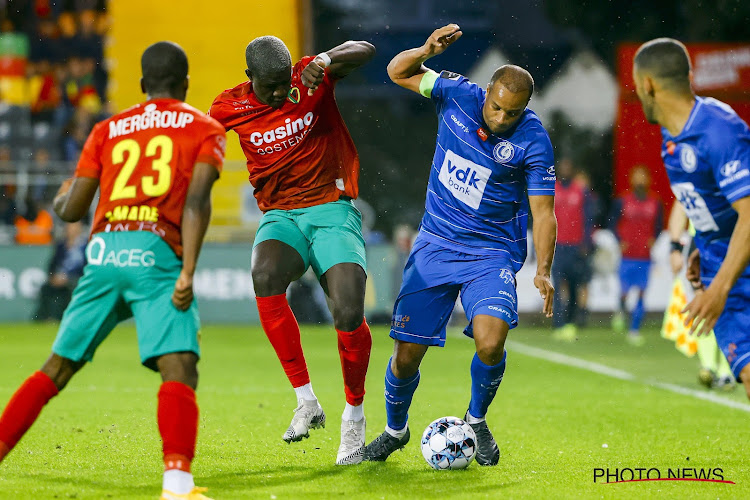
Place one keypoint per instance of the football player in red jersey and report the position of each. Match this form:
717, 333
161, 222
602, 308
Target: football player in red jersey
304, 168
154, 165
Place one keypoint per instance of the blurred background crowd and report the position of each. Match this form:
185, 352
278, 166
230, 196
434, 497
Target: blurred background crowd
66, 64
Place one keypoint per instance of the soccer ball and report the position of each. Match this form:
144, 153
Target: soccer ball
449, 443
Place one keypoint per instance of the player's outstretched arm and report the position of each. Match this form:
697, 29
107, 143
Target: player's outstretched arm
706, 307
342, 60
74, 198
195, 217
544, 234
407, 68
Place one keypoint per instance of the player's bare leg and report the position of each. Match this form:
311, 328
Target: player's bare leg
345, 286
26, 404
275, 265
401, 381
487, 369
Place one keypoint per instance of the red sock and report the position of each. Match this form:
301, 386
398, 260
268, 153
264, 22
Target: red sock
282, 330
23, 409
354, 350
178, 424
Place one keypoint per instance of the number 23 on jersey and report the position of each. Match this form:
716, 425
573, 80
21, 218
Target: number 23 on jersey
127, 153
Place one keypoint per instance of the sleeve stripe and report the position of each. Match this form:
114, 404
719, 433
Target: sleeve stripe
733, 195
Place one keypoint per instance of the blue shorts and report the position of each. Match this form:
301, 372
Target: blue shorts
732, 329
434, 276
634, 273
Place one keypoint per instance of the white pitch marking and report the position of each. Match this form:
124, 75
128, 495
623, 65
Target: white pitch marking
564, 359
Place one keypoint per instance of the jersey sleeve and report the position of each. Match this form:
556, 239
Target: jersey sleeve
444, 86
731, 163
221, 112
89, 163
539, 164
213, 146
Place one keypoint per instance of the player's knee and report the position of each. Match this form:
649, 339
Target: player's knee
60, 370
267, 282
406, 359
179, 367
348, 317
490, 351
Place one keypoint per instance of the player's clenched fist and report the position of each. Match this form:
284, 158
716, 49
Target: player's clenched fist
312, 75
182, 296
441, 38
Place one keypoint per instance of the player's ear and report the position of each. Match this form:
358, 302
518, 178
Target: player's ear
143, 87
690, 78
186, 83
648, 85
249, 75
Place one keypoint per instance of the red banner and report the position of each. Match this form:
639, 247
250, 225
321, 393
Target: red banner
719, 70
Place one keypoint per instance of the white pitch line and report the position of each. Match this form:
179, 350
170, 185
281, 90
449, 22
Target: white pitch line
564, 359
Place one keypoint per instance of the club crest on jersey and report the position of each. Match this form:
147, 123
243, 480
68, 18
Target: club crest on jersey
293, 95
688, 159
503, 152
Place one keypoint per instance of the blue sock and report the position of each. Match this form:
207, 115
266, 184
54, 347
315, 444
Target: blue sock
637, 316
398, 394
484, 383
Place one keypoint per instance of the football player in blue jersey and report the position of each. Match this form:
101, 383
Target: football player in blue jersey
493, 162
706, 152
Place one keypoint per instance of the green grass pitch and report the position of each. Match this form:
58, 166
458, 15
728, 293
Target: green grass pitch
98, 439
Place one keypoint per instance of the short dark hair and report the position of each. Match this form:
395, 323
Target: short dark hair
514, 78
164, 66
666, 60
266, 55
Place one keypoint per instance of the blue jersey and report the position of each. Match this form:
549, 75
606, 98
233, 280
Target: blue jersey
477, 192
708, 164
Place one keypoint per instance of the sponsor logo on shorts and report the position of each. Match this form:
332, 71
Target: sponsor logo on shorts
503, 152
400, 320
464, 179
688, 159
509, 295
499, 309
98, 255
507, 276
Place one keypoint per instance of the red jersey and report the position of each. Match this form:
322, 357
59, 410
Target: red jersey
298, 155
638, 225
570, 200
144, 159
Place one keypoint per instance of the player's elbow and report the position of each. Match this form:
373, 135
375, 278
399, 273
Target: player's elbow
364, 47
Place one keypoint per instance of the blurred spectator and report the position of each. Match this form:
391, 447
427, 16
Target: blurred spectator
34, 226
593, 210
7, 205
637, 219
44, 91
41, 168
65, 268
76, 132
570, 269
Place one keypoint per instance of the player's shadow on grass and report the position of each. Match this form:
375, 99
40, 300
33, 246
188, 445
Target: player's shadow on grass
70, 486
377, 478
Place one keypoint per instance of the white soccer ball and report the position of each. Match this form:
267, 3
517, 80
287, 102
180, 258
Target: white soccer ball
449, 443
